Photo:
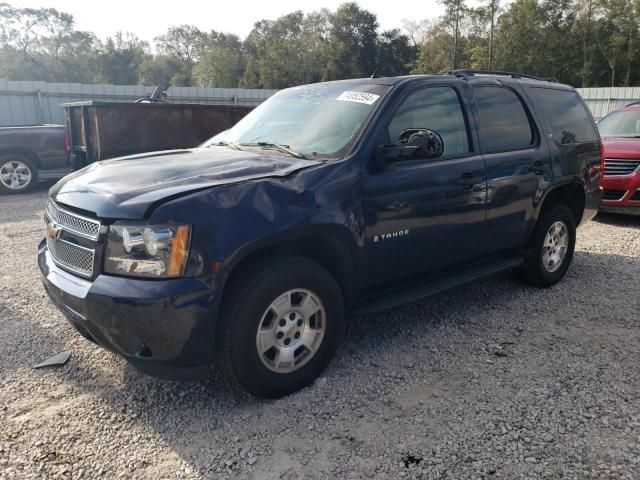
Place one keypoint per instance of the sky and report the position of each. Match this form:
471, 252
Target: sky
148, 19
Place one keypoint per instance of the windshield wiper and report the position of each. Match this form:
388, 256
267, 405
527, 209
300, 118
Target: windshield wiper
225, 144
277, 146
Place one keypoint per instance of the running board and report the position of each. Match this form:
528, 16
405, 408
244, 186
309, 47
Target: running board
53, 174
415, 293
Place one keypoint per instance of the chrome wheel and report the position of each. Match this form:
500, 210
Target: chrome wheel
15, 175
555, 246
291, 331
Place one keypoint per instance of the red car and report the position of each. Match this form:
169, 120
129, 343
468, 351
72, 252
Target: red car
620, 132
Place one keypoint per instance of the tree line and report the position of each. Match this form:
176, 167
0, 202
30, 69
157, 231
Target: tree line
585, 43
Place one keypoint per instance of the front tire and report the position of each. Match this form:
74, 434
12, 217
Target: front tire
281, 324
18, 174
550, 249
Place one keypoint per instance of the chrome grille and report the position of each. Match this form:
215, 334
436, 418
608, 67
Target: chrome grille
74, 223
72, 257
68, 255
619, 166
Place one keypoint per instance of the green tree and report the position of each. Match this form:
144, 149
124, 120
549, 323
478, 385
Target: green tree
493, 7
119, 59
164, 70
184, 42
179, 49
434, 55
290, 50
455, 10
221, 61
417, 30
519, 43
314, 41
395, 54
219, 67
250, 77
44, 44
586, 20
351, 50
280, 58
588, 43
616, 35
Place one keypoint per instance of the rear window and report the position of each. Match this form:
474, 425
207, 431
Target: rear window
504, 124
567, 119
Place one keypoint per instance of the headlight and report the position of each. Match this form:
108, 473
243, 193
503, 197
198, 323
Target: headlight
147, 250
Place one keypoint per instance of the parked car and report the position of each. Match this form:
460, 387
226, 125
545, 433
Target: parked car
327, 201
32, 153
620, 133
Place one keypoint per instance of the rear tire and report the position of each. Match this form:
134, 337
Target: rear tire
18, 173
281, 324
550, 249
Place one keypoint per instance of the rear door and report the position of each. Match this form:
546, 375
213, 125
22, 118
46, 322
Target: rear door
517, 162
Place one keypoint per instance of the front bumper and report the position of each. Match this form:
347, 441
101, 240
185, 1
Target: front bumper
626, 190
165, 328
621, 209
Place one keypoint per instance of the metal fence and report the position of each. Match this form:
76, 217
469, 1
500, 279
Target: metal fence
602, 101
30, 103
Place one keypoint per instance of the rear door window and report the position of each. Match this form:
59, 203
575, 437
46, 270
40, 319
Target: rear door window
566, 116
503, 124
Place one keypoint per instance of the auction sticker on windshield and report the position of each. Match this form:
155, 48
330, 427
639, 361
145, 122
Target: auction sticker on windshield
360, 97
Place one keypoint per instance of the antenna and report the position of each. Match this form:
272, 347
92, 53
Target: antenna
373, 75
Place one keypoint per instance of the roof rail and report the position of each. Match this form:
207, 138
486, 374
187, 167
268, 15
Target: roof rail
632, 104
471, 73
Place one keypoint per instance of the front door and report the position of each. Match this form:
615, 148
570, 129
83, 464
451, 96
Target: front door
426, 215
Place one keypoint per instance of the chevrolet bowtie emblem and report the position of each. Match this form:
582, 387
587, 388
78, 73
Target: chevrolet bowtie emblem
54, 231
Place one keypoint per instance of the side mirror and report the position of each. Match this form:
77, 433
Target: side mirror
414, 144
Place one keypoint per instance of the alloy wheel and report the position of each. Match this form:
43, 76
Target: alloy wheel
15, 175
555, 247
291, 331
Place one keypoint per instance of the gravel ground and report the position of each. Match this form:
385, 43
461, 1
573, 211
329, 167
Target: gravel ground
492, 380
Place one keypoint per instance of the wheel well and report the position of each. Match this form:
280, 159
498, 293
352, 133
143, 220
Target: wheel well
572, 195
22, 151
326, 250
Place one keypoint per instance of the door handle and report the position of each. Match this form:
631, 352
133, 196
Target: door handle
467, 181
537, 167
397, 205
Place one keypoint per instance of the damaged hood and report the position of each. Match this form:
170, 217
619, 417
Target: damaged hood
126, 187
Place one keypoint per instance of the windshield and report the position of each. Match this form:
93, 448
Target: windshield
620, 124
320, 120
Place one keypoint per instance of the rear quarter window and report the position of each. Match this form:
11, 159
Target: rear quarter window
564, 115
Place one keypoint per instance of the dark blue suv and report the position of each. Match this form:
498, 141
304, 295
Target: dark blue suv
337, 198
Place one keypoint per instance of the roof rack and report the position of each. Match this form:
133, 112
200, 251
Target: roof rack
471, 73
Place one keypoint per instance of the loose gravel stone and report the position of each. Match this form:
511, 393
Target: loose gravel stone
490, 380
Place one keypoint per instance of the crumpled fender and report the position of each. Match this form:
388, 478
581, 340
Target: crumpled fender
231, 222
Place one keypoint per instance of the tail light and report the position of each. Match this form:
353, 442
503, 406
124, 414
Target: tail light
67, 142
